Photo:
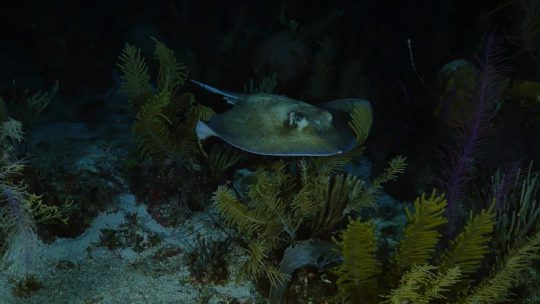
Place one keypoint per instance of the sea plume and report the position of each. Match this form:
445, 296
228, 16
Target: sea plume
462, 158
17, 223
18, 228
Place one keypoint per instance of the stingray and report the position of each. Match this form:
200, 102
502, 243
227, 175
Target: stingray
269, 124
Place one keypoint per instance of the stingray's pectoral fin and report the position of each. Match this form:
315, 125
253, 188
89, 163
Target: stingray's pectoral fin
204, 131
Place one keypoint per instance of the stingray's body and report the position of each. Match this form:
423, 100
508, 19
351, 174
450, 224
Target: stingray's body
269, 124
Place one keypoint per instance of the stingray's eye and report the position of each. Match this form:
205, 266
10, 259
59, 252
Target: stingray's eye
295, 118
298, 117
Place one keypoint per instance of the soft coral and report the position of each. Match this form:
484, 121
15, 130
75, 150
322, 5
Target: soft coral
461, 159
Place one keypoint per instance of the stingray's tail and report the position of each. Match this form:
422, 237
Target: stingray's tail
229, 96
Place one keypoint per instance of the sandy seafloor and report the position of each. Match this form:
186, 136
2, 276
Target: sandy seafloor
104, 276
81, 270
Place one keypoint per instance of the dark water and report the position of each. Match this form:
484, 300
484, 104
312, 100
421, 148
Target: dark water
424, 192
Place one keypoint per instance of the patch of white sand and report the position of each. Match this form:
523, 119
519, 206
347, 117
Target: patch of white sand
96, 275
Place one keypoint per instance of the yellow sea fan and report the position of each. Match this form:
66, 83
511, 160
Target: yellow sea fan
136, 80
422, 285
469, 247
172, 74
368, 196
360, 269
361, 121
152, 129
421, 233
495, 288
235, 213
221, 158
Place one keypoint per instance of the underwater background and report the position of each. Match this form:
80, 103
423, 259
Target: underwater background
270, 151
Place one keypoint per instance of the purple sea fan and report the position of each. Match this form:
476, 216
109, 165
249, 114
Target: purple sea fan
18, 227
461, 159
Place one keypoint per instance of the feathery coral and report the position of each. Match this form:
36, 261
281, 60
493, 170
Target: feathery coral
470, 246
421, 285
358, 274
171, 74
221, 158
488, 89
495, 288
421, 233
166, 120
361, 121
136, 80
